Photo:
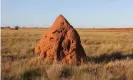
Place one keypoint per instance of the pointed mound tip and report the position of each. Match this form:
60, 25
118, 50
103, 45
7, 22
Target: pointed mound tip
60, 15
60, 19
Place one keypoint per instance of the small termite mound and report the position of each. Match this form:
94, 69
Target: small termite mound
61, 43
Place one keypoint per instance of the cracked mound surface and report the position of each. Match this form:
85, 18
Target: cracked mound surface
61, 43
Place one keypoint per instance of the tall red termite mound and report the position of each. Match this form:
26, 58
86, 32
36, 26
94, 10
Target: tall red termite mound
61, 42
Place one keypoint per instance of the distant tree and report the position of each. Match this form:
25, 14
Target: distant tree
2, 27
16, 27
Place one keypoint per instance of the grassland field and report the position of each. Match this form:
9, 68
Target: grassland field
110, 53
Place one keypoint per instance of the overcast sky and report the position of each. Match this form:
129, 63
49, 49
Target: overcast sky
80, 13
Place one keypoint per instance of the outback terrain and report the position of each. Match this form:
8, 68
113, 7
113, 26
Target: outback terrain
110, 53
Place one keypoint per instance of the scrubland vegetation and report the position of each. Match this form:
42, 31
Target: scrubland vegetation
110, 57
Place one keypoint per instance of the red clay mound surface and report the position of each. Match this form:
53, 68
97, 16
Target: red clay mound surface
61, 43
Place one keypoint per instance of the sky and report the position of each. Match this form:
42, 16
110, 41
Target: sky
80, 13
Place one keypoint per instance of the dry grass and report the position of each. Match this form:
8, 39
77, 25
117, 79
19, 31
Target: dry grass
110, 55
